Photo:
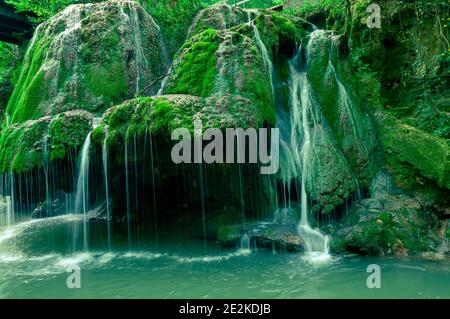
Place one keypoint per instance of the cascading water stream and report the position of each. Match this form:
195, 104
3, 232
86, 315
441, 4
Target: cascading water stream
198, 155
11, 204
297, 145
127, 188
305, 117
45, 160
82, 195
105, 175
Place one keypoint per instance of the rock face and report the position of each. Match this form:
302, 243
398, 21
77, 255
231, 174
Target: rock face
90, 57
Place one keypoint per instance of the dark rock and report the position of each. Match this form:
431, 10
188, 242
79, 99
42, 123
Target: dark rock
400, 226
281, 233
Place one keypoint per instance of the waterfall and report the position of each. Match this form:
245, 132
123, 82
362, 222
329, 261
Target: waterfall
105, 175
198, 131
241, 179
304, 115
45, 160
127, 188
245, 243
82, 195
10, 202
9, 211
297, 144
265, 54
132, 18
155, 219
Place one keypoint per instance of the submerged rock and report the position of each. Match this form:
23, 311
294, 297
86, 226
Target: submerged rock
89, 56
281, 233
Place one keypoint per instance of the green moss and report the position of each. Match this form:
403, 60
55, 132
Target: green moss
25, 146
280, 32
25, 99
21, 146
113, 87
98, 134
162, 114
401, 231
67, 131
174, 18
404, 144
196, 72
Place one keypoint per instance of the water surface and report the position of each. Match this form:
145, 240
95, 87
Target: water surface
34, 257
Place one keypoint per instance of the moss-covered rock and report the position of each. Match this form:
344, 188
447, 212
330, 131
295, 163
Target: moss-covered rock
67, 131
423, 153
262, 235
174, 17
28, 145
88, 57
223, 62
161, 115
220, 16
281, 32
10, 60
389, 225
337, 93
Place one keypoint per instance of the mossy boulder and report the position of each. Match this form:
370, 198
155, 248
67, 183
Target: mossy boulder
389, 225
220, 16
89, 56
162, 114
422, 153
223, 62
332, 180
267, 235
28, 145
174, 17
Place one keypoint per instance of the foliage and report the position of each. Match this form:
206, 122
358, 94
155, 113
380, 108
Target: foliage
251, 4
10, 62
43, 9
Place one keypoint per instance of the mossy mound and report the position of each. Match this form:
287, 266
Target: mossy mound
389, 225
422, 153
28, 145
223, 62
161, 115
174, 18
332, 180
88, 57
220, 16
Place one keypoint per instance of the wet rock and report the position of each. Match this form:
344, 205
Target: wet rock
220, 16
26, 145
394, 225
382, 183
281, 233
88, 56
54, 207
